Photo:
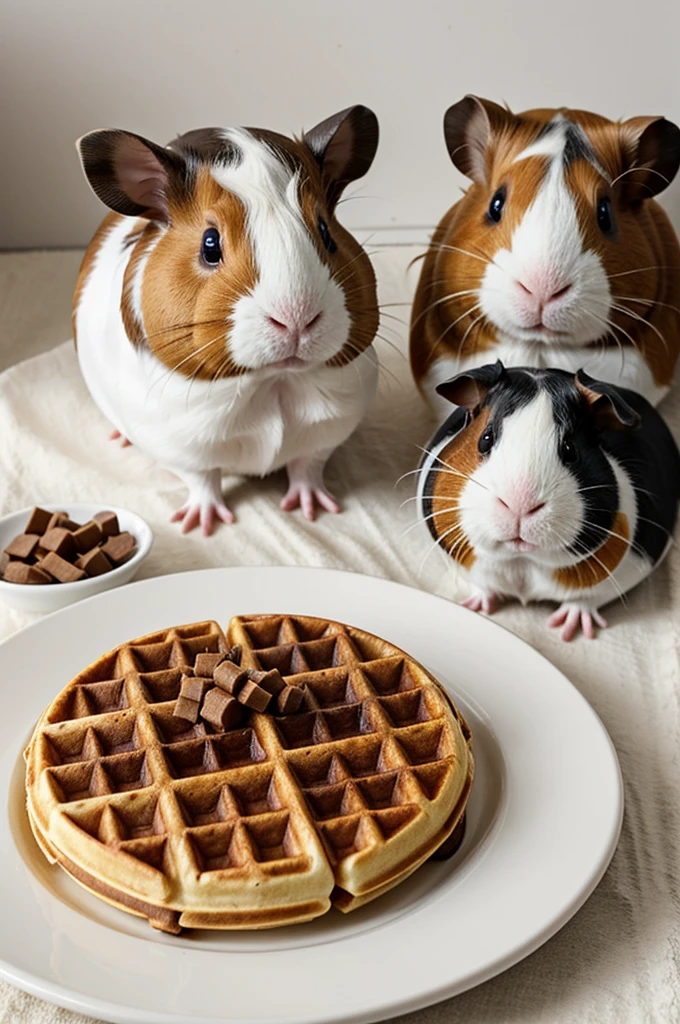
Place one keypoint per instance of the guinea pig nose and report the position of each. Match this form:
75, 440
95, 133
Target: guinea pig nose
312, 322
277, 323
536, 508
560, 294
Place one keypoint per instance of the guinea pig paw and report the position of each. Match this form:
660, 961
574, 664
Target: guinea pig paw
573, 617
306, 496
204, 514
487, 603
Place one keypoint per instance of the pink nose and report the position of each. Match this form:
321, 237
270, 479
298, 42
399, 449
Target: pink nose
294, 324
543, 291
522, 505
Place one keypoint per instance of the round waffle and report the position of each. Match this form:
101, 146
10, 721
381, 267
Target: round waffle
264, 825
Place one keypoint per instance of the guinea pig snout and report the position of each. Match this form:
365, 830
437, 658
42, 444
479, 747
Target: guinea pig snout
292, 322
539, 294
516, 513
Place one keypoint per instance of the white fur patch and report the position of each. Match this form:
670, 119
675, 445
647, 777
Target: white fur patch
294, 285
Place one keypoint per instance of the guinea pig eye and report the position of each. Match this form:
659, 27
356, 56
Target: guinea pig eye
326, 235
485, 442
496, 206
211, 249
568, 451
605, 217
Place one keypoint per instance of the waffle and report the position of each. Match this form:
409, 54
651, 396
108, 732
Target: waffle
260, 826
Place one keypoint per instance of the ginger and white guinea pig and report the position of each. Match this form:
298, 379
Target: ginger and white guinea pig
223, 317
545, 485
557, 254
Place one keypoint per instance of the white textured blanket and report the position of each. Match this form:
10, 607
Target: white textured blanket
618, 959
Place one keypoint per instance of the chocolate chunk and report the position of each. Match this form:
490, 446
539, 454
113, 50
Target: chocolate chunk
57, 519
38, 521
194, 687
234, 654
272, 681
108, 522
59, 540
88, 536
120, 547
221, 710
95, 562
4, 562
290, 700
188, 709
206, 664
19, 572
62, 570
253, 696
70, 524
229, 677
22, 546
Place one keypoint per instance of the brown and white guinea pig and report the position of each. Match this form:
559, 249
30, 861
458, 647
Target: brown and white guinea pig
545, 485
223, 317
558, 254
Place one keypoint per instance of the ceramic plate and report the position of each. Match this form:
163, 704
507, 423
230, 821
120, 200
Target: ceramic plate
543, 821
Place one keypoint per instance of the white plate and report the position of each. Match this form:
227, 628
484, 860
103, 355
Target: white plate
543, 820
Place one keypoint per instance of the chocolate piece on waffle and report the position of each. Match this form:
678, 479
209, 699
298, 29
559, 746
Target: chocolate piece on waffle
262, 825
206, 664
230, 677
290, 700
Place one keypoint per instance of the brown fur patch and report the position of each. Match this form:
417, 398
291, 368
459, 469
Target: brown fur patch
461, 457
598, 566
644, 238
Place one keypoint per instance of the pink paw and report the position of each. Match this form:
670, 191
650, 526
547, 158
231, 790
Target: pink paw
486, 603
116, 434
305, 496
572, 617
192, 514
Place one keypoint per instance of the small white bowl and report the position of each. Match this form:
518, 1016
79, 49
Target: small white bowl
27, 597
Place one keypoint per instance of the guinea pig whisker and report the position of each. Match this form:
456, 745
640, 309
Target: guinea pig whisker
438, 544
454, 472
465, 336
646, 302
419, 522
616, 327
443, 299
640, 270
636, 316
455, 248
472, 309
189, 326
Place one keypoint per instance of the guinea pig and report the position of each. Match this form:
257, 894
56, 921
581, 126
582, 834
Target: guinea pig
557, 255
223, 317
548, 485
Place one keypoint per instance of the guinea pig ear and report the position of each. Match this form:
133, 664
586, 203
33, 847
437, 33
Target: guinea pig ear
469, 389
344, 146
651, 148
130, 174
470, 126
609, 410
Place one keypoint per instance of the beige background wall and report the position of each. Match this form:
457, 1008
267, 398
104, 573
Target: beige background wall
158, 68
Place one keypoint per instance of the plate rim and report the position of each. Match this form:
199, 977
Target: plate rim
69, 998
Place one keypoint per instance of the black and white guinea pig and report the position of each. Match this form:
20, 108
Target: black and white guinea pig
545, 485
223, 316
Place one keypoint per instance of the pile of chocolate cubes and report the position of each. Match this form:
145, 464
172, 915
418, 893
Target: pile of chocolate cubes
55, 549
217, 690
